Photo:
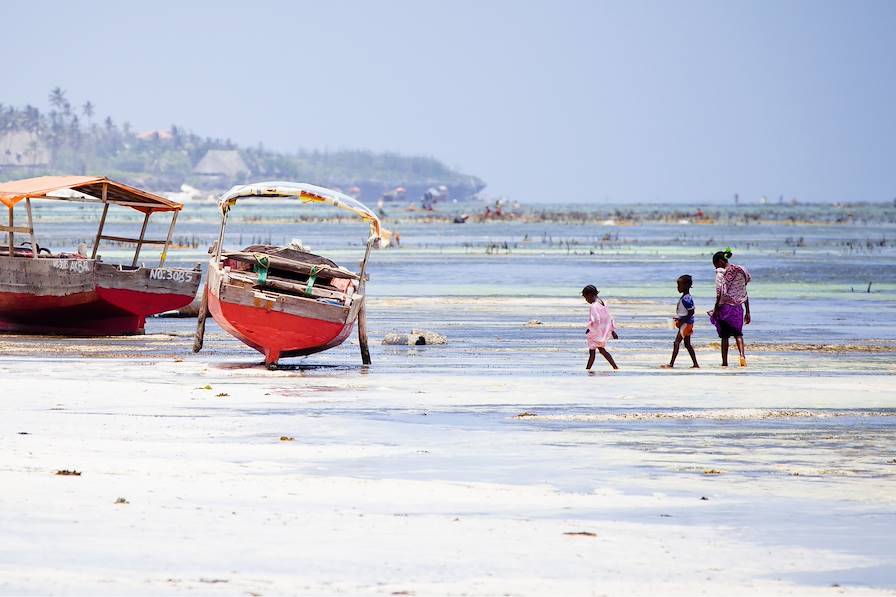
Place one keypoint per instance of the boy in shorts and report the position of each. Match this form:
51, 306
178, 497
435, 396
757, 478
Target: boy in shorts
684, 321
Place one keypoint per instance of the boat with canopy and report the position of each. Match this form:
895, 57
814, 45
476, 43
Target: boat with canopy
287, 301
76, 293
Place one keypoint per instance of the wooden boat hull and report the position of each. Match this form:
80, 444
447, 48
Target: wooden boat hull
275, 325
76, 297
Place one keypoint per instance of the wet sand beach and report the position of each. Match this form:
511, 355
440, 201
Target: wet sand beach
493, 465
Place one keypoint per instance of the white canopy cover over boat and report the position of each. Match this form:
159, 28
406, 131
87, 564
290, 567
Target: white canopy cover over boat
306, 193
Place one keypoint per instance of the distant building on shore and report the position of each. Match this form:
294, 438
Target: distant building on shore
21, 149
162, 135
222, 164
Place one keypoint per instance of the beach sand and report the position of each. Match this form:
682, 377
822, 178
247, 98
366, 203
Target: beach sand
432, 473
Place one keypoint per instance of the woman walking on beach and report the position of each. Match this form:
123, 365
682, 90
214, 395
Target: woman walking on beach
732, 308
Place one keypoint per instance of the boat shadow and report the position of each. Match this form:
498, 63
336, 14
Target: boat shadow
259, 365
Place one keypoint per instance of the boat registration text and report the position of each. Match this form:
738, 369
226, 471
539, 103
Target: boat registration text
77, 266
171, 274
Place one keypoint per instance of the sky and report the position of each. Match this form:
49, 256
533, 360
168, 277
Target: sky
546, 101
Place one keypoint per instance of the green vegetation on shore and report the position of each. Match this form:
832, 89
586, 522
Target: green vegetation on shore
72, 139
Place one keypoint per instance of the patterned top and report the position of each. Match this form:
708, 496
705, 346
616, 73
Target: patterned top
732, 287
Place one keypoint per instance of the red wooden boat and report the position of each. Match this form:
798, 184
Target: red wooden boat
286, 301
42, 292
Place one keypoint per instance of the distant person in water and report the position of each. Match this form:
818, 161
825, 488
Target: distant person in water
684, 321
732, 309
601, 327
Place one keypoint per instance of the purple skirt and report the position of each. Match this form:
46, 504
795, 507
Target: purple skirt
729, 321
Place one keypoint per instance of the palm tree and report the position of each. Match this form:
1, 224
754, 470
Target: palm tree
176, 140
74, 130
31, 119
57, 98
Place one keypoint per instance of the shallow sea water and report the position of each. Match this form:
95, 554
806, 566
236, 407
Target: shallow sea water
811, 415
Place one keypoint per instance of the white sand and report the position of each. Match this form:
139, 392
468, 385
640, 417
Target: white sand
425, 483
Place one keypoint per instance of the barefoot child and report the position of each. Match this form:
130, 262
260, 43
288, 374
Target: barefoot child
601, 326
684, 321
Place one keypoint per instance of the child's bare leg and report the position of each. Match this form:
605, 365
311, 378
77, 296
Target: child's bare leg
687, 344
608, 356
724, 352
590, 359
675, 347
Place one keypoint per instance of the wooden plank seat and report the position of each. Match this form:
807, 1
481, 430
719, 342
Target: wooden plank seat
325, 268
279, 284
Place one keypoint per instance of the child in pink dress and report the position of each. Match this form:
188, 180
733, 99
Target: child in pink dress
601, 327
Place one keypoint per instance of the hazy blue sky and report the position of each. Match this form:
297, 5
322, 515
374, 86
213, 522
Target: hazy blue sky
565, 101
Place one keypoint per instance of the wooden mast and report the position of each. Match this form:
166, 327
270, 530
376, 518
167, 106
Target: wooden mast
362, 312
31, 227
140, 240
12, 234
99, 232
203, 304
168, 240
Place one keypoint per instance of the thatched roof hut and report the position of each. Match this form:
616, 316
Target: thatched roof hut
222, 162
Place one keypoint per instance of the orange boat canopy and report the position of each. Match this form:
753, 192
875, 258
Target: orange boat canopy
84, 188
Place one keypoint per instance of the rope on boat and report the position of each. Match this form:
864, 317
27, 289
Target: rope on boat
312, 277
262, 264
261, 268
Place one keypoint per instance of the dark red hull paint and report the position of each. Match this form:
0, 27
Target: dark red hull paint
103, 312
276, 334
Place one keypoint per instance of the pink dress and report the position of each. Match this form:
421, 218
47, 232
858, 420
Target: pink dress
600, 325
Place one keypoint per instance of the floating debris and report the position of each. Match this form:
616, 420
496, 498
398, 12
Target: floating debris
580, 534
525, 414
286, 438
68, 473
121, 500
222, 395
712, 471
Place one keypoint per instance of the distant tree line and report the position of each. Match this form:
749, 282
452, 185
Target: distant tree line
71, 139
